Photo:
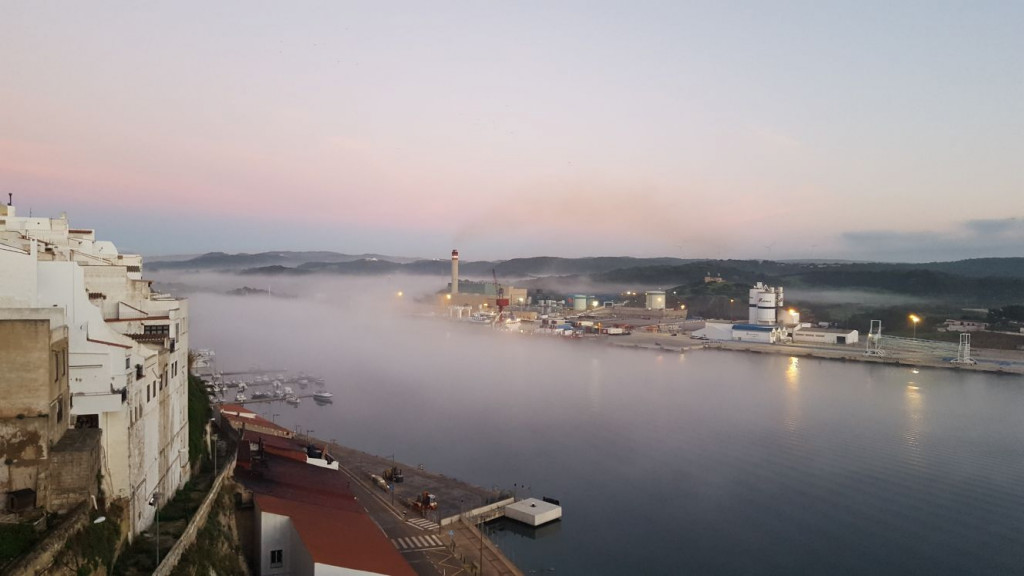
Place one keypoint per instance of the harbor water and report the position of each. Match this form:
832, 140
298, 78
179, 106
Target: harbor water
705, 463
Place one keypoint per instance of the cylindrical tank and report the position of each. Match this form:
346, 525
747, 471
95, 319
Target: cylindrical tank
579, 302
766, 309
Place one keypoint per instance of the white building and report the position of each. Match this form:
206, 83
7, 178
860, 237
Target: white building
825, 336
963, 326
128, 351
755, 333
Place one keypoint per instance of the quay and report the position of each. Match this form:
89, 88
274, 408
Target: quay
459, 545
900, 352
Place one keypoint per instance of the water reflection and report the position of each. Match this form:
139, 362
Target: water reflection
913, 408
791, 399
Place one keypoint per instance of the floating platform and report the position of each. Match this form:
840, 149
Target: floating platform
533, 511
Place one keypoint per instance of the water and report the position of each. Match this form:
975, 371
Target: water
712, 462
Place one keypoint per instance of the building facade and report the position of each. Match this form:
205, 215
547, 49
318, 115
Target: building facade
127, 351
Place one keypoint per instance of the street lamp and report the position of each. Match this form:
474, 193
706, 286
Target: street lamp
731, 315
915, 319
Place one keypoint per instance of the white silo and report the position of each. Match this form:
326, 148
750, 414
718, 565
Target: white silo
579, 302
764, 305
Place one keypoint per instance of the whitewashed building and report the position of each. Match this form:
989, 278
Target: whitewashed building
128, 351
756, 333
825, 336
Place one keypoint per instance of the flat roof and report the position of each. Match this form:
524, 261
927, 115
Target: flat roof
827, 330
533, 506
753, 327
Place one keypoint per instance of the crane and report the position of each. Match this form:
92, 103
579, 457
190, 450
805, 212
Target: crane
500, 301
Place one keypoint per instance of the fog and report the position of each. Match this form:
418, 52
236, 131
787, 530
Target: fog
385, 357
865, 298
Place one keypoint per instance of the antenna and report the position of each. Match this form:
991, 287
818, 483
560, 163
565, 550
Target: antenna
10, 198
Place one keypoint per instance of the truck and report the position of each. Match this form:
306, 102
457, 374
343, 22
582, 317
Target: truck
424, 502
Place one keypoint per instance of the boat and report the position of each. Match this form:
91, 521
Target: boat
260, 394
323, 396
239, 397
293, 400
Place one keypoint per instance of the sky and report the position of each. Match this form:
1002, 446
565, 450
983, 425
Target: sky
886, 131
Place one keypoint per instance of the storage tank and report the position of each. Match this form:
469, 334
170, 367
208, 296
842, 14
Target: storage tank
764, 304
656, 300
579, 302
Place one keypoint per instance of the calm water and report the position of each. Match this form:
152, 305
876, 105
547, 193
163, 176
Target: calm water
708, 463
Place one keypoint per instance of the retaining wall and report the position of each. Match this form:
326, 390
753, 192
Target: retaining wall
170, 561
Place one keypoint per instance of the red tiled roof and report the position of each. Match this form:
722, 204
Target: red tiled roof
286, 447
332, 524
236, 413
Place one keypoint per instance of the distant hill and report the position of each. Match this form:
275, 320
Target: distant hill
237, 262
980, 280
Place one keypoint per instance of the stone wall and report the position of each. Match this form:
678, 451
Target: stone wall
170, 561
74, 466
41, 558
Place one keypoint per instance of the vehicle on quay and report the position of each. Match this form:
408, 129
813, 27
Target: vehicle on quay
424, 502
394, 474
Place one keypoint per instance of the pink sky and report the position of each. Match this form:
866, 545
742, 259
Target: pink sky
520, 129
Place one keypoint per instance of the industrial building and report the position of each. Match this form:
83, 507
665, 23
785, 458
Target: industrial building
825, 336
756, 333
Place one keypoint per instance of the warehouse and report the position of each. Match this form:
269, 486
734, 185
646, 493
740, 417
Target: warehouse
754, 333
825, 336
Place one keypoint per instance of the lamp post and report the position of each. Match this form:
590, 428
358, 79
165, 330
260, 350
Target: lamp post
915, 319
731, 315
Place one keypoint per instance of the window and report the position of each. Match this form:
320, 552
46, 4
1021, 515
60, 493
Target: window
162, 329
276, 558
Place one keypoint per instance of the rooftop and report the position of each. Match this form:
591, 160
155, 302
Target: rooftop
332, 524
828, 330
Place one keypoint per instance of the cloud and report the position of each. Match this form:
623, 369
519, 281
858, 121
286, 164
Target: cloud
996, 237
